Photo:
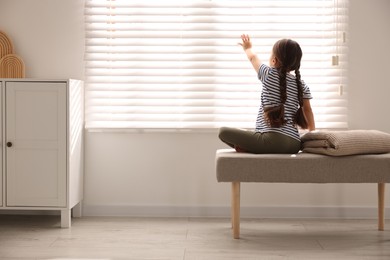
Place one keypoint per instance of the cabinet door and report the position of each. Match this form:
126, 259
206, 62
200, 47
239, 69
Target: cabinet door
36, 143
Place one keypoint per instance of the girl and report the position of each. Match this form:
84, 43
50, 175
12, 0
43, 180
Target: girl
285, 103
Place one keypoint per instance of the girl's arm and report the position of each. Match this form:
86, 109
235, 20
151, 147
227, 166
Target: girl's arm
252, 57
308, 113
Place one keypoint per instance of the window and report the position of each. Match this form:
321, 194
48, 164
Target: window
177, 64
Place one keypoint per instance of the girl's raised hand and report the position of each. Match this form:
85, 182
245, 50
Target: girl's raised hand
252, 57
246, 42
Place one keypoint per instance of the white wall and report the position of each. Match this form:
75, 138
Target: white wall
47, 34
135, 173
369, 61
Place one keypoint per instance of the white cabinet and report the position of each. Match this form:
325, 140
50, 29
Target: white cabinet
42, 146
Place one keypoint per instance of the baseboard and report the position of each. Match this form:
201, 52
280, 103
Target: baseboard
246, 212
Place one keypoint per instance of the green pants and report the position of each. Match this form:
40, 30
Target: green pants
256, 142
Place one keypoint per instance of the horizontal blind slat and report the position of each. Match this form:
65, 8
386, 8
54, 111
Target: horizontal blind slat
169, 64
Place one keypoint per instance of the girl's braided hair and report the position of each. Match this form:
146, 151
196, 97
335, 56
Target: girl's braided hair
288, 56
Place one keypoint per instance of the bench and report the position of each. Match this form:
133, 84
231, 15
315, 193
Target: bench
300, 168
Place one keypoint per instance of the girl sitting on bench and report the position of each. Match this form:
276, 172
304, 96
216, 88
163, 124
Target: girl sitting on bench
285, 103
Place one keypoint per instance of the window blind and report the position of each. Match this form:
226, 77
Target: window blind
177, 64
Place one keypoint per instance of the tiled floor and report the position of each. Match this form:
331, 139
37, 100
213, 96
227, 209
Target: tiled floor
109, 238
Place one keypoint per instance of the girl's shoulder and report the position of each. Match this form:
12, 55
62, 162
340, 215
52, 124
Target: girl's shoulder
266, 71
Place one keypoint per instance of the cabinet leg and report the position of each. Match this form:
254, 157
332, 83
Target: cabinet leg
77, 210
65, 218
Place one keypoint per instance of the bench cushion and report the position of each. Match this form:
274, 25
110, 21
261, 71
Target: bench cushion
301, 168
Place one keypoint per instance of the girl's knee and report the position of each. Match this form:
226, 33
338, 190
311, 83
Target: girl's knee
222, 132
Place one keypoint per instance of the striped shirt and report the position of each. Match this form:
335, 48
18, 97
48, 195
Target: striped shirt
270, 97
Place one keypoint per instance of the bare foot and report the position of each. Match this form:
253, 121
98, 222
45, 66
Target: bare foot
239, 149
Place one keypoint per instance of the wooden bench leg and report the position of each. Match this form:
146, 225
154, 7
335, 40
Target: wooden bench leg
236, 209
381, 206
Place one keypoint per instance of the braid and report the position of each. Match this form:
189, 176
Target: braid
275, 115
300, 119
283, 84
300, 88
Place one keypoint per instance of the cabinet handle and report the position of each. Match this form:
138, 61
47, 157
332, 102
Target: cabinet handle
9, 144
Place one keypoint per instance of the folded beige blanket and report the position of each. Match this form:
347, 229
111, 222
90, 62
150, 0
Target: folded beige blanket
350, 142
